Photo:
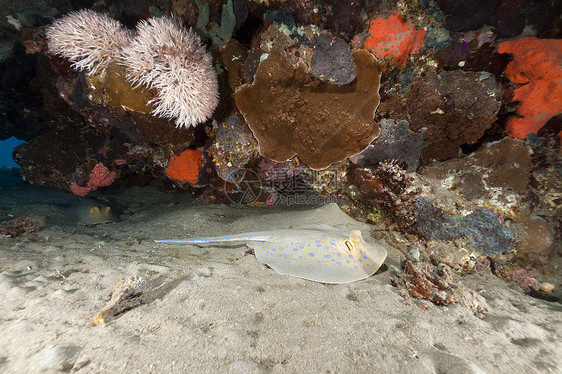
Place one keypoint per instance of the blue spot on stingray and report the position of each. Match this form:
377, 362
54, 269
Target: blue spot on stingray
273, 249
317, 241
356, 267
365, 257
327, 256
311, 254
308, 245
327, 247
295, 249
319, 245
347, 261
359, 260
350, 256
301, 247
338, 263
364, 268
339, 254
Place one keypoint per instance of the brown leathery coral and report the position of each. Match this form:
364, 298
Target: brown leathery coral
320, 122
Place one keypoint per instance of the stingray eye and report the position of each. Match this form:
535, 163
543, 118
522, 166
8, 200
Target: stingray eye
349, 245
355, 240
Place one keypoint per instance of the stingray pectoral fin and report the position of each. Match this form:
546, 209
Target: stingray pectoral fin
322, 264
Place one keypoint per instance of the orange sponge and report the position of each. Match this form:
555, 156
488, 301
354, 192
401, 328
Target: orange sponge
185, 167
394, 36
537, 62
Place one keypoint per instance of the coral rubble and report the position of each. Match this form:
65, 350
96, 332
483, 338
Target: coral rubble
320, 123
127, 294
20, 226
424, 281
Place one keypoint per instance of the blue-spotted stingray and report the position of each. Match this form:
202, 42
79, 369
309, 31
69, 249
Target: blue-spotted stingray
87, 212
318, 253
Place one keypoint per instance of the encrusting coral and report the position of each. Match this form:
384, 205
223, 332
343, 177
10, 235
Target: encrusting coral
171, 59
90, 40
320, 122
538, 64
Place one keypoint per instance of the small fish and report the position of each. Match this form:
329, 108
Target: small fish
87, 213
318, 253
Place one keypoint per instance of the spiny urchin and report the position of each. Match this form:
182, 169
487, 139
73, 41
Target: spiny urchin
90, 40
171, 59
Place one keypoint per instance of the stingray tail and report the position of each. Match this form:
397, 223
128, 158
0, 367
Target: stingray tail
230, 238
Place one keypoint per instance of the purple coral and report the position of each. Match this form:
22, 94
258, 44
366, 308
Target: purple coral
90, 40
171, 59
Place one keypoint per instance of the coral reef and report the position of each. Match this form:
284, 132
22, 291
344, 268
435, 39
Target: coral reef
90, 40
421, 280
20, 226
100, 176
385, 193
186, 166
320, 123
395, 37
127, 294
456, 107
332, 61
114, 91
219, 34
497, 175
396, 142
170, 59
487, 235
537, 63
234, 147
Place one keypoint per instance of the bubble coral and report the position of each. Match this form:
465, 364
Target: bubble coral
394, 36
90, 40
171, 59
537, 63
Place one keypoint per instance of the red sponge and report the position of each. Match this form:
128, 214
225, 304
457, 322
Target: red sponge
394, 36
537, 62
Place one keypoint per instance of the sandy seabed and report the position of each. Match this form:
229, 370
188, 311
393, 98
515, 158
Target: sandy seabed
216, 309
